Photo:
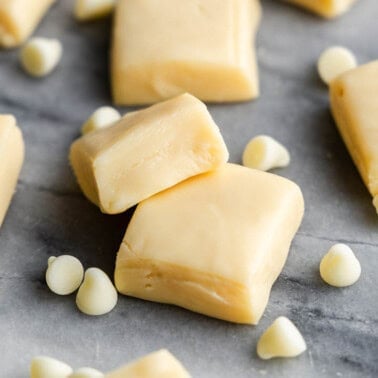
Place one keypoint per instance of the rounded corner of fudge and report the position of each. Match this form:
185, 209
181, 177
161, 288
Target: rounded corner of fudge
81, 165
178, 253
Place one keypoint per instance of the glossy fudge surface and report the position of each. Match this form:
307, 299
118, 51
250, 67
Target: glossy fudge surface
146, 152
214, 244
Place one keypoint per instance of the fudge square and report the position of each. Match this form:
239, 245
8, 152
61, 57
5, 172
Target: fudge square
354, 105
147, 151
167, 47
213, 244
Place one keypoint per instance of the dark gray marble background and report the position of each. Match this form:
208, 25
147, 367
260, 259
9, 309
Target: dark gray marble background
49, 215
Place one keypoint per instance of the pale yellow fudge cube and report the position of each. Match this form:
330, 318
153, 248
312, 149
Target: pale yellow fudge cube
165, 48
160, 364
213, 244
11, 159
325, 8
146, 152
19, 18
354, 104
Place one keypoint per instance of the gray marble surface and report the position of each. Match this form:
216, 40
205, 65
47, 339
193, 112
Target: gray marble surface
49, 216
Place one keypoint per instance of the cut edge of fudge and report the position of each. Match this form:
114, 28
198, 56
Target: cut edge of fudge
180, 288
222, 77
13, 135
343, 115
204, 148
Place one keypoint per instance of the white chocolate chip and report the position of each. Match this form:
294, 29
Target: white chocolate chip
47, 367
101, 118
281, 339
86, 372
265, 153
86, 10
97, 295
64, 274
50, 260
40, 56
339, 266
334, 61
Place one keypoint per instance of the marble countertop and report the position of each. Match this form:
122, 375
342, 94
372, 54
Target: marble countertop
50, 216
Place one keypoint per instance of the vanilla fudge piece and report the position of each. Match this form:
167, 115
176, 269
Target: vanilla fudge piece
164, 48
354, 104
160, 364
146, 152
325, 8
19, 18
214, 244
11, 159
